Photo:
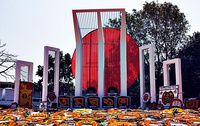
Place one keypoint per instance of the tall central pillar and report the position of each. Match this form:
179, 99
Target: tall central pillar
123, 60
100, 59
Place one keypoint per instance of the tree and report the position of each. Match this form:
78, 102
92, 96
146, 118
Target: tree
166, 27
65, 78
160, 24
7, 63
190, 58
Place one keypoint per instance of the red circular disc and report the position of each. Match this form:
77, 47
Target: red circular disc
112, 59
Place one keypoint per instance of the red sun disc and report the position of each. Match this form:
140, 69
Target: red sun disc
112, 59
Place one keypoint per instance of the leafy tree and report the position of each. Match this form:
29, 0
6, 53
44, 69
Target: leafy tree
160, 24
166, 27
190, 58
65, 78
7, 63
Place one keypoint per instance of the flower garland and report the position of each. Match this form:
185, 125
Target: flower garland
86, 122
121, 124
37, 117
129, 116
110, 117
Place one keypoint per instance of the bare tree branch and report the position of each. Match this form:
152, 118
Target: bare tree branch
7, 63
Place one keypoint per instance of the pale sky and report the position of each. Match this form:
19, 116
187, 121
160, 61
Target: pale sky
26, 26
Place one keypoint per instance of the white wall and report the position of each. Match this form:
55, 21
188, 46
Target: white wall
8, 94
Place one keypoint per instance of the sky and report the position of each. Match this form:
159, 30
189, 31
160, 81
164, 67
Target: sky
26, 26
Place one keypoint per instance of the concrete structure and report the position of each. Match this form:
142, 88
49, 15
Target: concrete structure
96, 18
177, 63
45, 72
19, 64
8, 94
149, 47
1, 89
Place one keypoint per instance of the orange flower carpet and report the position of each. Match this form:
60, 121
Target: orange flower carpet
110, 117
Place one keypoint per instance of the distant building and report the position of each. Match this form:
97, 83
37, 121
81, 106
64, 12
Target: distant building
6, 92
6, 84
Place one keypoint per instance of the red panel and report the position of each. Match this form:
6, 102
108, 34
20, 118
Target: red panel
112, 59
25, 94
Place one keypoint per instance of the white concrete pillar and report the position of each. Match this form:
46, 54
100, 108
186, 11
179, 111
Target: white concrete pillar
45, 75
166, 77
78, 65
19, 64
123, 57
56, 73
101, 58
45, 72
152, 72
142, 74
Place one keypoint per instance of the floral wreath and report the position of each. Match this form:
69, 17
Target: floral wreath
146, 97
